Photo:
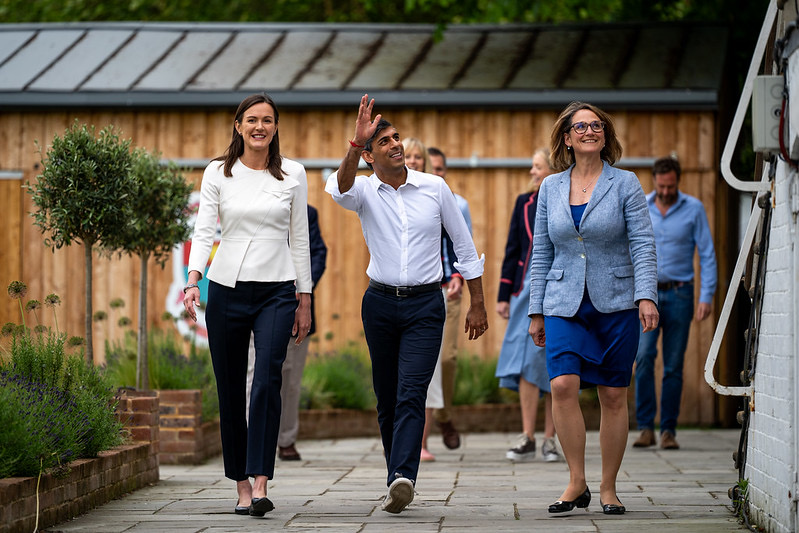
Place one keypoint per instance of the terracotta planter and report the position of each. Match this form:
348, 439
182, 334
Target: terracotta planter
486, 418
185, 439
344, 423
337, 423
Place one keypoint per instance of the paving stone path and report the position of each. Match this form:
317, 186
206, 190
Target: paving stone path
339, 485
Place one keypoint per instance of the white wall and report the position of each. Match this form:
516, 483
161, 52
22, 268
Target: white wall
772, 451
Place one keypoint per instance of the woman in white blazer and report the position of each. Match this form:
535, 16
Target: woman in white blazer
594, 278
263, 261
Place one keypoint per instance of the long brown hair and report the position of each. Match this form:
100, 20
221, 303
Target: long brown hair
561, 157
236, 147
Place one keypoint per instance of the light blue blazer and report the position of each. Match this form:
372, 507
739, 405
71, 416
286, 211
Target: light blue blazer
613, 254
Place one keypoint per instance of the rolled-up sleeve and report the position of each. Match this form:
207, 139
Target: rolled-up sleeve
348, 200
468, 264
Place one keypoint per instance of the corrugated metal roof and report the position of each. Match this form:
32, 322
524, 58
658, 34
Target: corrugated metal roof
186, 64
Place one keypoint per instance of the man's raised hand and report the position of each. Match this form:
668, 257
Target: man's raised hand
364, 126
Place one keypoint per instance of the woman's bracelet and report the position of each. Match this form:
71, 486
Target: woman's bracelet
190, 286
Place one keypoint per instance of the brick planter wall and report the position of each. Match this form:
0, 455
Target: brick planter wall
345, 423
337, 423
90, 482
212, 439
185, 439
487, 418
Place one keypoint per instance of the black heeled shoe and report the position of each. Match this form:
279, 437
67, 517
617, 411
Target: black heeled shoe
562, 506
612, 508
260, 506
241, 509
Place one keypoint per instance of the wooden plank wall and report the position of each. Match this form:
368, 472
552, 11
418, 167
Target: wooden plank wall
204, 134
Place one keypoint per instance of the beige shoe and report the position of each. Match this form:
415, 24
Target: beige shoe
668, 442
400, 494
645, 439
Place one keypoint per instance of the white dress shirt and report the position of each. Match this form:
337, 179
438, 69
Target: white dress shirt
402, 228
260, 215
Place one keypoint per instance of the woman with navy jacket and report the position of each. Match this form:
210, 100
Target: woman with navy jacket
522, 365
594, 278
259, 283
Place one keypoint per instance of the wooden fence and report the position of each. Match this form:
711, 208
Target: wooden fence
202, 134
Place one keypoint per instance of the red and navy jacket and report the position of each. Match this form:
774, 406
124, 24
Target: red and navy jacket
519, 246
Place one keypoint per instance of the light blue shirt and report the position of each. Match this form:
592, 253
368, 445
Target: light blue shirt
463, 205
683, 228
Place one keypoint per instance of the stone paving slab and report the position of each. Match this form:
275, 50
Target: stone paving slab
339, 486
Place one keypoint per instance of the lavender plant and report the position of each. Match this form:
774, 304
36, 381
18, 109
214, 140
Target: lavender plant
54, 407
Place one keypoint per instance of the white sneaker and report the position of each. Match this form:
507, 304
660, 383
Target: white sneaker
400, 494
523, 451
549, 451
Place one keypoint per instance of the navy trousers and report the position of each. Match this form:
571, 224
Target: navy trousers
267, 310
404, 338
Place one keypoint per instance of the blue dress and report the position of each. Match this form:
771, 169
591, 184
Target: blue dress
519, 356
598, 347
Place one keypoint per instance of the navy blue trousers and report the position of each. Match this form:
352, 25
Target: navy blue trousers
404, 338
267, 310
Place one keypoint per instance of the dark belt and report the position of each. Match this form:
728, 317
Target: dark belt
402, 292
667, 285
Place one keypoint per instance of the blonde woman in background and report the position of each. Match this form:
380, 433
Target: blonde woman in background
416, 158
522, 366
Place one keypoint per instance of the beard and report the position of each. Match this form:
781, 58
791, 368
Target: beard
667, 199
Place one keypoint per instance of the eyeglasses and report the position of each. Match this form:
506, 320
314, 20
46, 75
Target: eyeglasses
581, 127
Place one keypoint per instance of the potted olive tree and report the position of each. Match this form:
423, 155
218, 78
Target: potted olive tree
158, 220
83, 192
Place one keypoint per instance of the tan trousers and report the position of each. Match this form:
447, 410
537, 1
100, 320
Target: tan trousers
449, 354
289, 391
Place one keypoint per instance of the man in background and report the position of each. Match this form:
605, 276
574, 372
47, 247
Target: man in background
680, 225
449, 344
296, 354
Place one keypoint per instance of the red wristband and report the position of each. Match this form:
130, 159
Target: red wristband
352, 143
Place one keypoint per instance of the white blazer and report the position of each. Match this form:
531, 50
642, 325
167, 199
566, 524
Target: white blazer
264, 226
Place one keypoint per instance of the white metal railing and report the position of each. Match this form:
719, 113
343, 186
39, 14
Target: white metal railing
743, 104
729, 300
761, 187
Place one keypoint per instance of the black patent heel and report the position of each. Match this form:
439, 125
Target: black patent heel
563, 506
612, 508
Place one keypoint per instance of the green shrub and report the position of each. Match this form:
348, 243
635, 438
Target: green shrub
54, 407
47, 424
475, 382
343, 380
168, 367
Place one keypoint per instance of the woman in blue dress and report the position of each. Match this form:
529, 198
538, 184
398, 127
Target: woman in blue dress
522, 365
594, 278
